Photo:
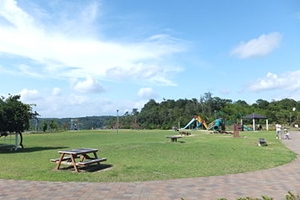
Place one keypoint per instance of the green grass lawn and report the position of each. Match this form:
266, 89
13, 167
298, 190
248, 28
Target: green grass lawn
134, 155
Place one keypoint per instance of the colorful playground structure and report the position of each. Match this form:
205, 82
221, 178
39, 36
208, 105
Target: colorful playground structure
199, 122
216, 125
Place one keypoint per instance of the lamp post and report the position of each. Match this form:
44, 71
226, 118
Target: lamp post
291, 115
118, 121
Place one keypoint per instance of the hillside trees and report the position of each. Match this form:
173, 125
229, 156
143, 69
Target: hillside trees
169, 113
129, 120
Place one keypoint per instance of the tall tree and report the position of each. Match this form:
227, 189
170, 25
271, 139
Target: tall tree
15, 116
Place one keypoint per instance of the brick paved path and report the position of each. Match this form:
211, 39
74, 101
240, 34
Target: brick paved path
275, 182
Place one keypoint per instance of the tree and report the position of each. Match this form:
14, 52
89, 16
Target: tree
15, 116
45, 126
135, 113
260, 103
53, 125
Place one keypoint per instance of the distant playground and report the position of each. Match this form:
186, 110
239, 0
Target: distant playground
217, 125
197, 122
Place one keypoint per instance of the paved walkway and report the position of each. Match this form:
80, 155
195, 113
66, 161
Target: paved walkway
275, 182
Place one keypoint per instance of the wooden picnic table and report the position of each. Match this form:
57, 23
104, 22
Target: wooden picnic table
174, 138
86, 156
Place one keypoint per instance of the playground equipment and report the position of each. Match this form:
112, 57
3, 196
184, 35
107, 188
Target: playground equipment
199, 122
247, 128
217, 125
74, 124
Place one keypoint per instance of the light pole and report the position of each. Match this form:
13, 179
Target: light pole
291, 115
118, 121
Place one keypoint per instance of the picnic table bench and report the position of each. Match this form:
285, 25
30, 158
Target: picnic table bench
70, 157
56, 160
88, 162
174, 138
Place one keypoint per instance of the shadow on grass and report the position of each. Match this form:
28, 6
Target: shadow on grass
175, 142
31, 149
89, 168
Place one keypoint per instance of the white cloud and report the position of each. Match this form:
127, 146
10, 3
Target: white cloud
58, 43
147, 93
89, 85
10, 11
288, 81
25, 69
75, 99
56, 91
151, 73
29, 95
58, 104
261, 46
62, 54
74, 105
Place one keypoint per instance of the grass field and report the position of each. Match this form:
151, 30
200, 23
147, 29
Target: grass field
134, 155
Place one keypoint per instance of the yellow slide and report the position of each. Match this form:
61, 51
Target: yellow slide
199, 119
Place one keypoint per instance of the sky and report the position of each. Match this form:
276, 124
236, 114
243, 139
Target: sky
77, 58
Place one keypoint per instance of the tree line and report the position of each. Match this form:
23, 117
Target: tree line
177, 113
64, 124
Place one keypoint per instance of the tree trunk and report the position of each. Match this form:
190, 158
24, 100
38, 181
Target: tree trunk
21, 140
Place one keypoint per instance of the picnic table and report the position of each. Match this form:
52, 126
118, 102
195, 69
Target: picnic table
77, 157
174, 138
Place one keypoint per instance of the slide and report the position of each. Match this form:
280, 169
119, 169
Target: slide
188, 124
247, 128
218, 123
201, 121
211, 125
215, 125
198, 125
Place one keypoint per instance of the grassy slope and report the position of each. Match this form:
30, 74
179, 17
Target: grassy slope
145, 155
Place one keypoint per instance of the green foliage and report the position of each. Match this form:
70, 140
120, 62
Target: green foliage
251, 198
173, 113
289, 196
14, 115
45, 126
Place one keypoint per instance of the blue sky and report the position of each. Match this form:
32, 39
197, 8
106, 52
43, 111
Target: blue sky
77, 58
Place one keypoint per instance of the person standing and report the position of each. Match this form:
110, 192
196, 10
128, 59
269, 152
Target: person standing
286, 134
278, 131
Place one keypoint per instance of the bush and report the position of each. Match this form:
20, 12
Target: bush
289, 196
